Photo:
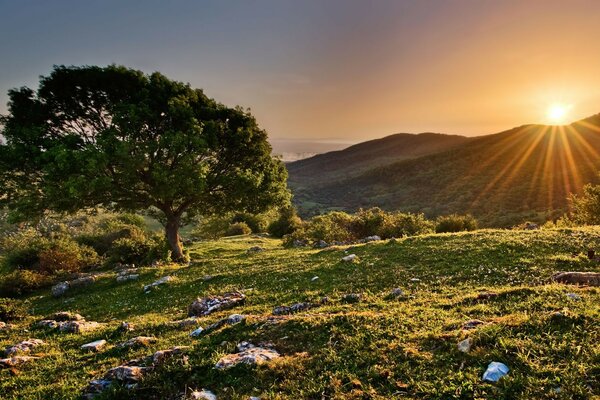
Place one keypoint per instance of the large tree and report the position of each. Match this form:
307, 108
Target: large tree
121, 139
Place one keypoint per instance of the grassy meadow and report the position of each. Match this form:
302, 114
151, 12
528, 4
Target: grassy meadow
381, 347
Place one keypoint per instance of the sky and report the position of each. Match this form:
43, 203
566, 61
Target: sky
335, 71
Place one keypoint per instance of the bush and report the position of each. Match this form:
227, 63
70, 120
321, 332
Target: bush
138, 250
238, 228
256, 222
287, 223
212, 227
11, 310
21, 282
455, 223
334, 226
407, 224
66, 255
373, 221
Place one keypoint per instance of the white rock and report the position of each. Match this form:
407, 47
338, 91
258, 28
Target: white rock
94, 346
465, 345
125, 278
252, 356
159, 282
203, 395
314, 278
197, 332
349, 258
60, 288
495, 371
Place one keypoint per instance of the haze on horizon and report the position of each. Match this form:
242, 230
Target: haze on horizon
340, 71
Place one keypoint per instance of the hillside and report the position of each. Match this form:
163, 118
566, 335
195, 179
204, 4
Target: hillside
380, 347
524, 173
363, 156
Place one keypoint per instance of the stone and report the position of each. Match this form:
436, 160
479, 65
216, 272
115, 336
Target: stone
197, 332
184, 323
373, 238
314, 279
161, 281
465, 345
573, 296
15, 361
251, 355
66, 316
161, 356
83, 281
126, 327
139, 341
207, 305
207, 278
351, 298
255, 249
349, 258
60, 288
78, 326
203, 395
415, 280
321, 244
495, 371
124, 373
95, 387
125, 278
23, 347
578, 278
47, 323
472, 324
396, 292
294, 308
299, 243
94, 346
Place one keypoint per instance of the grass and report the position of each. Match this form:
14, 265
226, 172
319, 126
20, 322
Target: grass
378, 348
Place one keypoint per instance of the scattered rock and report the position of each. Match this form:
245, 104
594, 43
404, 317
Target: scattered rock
94, 346
130, 277
161, 356
83, 281
495, 371
78, 326
294, 308
197, 332
95, 387
255, 249
139, 341
60, 288
530, 226
465, 345
314, 278
161, 281
184, 323
125, 373
415, 280
573, 296
66, 316
351, 298
15, 361
23, 347
321, 244
373, 238
231, 320
250, 355
578, 278
299, 243
203, 395
207, 278
472, 324
397, 292
47, 323
349, 258
208, 305
126, 327
68, 322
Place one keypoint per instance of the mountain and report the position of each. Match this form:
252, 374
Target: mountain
523, 173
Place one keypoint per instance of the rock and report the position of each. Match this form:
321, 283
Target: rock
47, 323
465, 345
573, 296
373, 238
203, 395
23, 347
486, 295
60, 288
299, 243
66, 316
472, 324
349, 258
294, 308
396, 292
253, 356
210, 304
15, 361
351, 298
184, 323
314, 278
161, 281
78, 326
139, 341
126, 327
495, 371
255, 249
243, 346
207, 278
197, 332
125, 278
83, 281
124, 373
161, 356
415, 280
321, 244
95, 387
578, 278
94, 346
530, 226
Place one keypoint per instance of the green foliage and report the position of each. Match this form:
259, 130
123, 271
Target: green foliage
286, 223
66, 255
455, 223
23, 281
334, 226
139, 250
584, 208
212, 227
238, 228
257, 222
118, 138
12, 309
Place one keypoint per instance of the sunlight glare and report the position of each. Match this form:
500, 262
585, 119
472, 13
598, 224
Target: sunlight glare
557, 113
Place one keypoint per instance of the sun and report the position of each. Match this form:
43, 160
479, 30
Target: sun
557, 113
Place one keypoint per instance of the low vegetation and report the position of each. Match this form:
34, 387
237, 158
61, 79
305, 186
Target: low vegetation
386, 345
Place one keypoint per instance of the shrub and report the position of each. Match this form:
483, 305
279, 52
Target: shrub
287, 223
11, 310
334, 226
138, 250
66, 255
373, 221
455, 223
23, 281
256, 222
212, 227
238, 228
407, 224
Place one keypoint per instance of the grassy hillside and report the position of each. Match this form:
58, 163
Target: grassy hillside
378, 348
364, 156
523, 173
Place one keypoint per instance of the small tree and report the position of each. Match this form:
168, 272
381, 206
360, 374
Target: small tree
585, 207
121, 139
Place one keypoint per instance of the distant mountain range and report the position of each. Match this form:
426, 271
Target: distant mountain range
525, 173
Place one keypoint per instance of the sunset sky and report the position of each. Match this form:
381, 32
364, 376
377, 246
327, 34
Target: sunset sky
332, 70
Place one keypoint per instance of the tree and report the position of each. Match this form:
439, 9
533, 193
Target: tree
118, 138
585, 207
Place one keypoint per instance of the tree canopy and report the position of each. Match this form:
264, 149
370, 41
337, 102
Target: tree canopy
118, 138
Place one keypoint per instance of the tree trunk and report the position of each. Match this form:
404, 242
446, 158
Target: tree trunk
172, 232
